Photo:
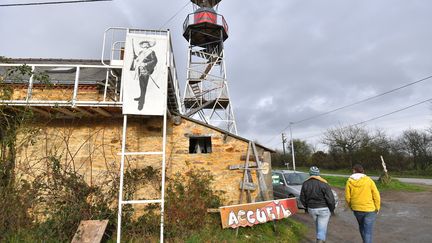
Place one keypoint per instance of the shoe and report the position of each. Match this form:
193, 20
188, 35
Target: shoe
320, 241
140, 105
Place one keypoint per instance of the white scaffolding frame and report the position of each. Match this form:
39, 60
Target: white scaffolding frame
122, 168
206, 95
171, 72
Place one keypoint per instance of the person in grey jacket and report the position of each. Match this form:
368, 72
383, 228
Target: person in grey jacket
318, 200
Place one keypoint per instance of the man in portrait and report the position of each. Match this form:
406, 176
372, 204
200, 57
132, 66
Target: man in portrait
143, 64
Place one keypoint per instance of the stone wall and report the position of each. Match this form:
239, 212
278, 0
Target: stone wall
92, 146
59, 93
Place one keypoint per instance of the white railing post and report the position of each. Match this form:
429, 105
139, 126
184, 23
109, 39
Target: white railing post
30, 87
75, 92
120, 198
106, 84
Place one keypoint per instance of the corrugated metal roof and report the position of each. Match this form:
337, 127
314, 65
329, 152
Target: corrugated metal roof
52, 61
64, 75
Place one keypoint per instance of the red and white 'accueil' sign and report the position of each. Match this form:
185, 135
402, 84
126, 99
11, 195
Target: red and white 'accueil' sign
257, 213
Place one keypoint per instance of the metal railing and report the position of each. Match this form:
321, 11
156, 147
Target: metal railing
220, 20
66, 78
113, 42
173, 70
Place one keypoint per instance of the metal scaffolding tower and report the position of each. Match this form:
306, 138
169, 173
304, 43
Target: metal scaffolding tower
206, 94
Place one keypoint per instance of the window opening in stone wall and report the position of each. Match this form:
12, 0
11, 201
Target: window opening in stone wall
200, 145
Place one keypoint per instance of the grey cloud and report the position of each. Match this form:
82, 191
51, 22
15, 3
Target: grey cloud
300, 58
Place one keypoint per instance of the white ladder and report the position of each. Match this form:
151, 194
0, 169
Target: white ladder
162, 199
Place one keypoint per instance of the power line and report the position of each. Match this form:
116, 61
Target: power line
380, 116
393, 112
361, 101
48, 3
352, 104
178, 12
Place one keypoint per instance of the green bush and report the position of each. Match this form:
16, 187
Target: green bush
187, 199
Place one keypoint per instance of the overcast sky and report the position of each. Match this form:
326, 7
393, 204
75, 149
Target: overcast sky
287, 60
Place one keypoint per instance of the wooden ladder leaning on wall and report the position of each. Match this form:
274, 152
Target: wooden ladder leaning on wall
246, 184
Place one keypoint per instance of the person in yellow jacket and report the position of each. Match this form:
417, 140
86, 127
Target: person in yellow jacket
362, 196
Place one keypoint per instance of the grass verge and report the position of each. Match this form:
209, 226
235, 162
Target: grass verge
394, 185
327, 171
406, 174
287, 230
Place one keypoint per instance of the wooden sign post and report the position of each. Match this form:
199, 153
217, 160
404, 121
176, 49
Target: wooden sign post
250, 214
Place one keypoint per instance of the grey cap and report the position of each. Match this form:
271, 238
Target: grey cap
314, 171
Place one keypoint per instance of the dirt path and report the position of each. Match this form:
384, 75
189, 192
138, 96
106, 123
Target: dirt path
404, 217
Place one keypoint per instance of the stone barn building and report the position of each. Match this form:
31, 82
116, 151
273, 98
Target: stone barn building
79, 120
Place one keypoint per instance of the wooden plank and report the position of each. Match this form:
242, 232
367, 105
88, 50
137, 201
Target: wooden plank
248, 186
213, 210
90, 231
251, 169
243, 157
67, 112
81, 110
41, 111
245, 176
101, 111
245, 180
241, 167
261, 180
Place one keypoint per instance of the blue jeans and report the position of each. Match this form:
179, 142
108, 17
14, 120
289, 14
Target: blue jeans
366, 222
321, 217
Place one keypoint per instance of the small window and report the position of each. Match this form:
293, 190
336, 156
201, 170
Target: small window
200, 145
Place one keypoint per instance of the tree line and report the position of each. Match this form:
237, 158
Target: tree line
346, 146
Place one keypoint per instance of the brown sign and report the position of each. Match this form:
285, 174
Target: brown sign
257, 213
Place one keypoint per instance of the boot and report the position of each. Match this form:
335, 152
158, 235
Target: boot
140, 104
320, 241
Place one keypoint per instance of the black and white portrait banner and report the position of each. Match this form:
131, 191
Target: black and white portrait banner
145, 74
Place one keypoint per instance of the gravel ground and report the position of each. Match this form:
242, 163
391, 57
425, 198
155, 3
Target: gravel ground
404, 217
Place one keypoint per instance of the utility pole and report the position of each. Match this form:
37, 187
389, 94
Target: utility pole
292, 147
284, 139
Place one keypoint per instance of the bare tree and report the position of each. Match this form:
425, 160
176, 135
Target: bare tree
347, 140
417, 144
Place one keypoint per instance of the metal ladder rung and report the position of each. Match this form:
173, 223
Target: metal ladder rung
141, 153
123, 155
141, 201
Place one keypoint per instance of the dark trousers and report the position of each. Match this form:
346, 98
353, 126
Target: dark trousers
366, 222
143, 82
